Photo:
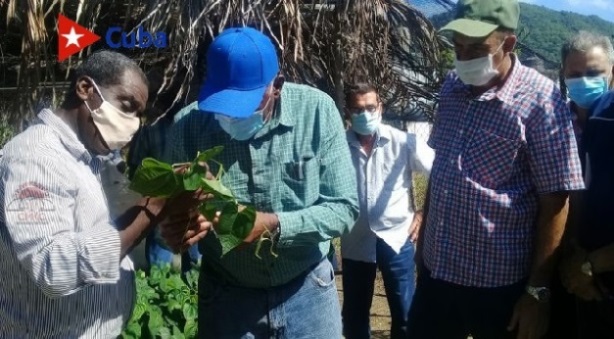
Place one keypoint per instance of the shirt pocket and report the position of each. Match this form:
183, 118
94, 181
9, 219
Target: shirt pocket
301, 183
489, 158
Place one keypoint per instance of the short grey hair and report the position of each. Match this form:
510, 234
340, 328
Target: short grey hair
583, 41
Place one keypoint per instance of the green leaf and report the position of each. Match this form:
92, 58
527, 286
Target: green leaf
139, 310
174, 305
228, 242
155, 322
227, 219
190, 329
209, 154
189, 311
177, 334
133, 330
192, 181
216, 188
156, 179
208, 210
244, 222
165, 333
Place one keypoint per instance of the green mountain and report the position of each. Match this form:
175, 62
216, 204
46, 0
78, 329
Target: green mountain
544, 30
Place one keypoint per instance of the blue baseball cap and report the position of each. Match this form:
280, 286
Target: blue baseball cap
241, 64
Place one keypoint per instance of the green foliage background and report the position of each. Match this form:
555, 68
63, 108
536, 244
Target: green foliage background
545, 29
166, 305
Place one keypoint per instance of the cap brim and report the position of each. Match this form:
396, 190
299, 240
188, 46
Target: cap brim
470, 28
231, 102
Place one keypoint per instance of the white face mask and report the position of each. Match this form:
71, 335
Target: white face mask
477, 72
115, 126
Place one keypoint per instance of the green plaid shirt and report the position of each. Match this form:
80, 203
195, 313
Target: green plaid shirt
298, 166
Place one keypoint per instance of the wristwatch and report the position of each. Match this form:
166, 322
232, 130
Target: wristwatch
587, 268
541, 294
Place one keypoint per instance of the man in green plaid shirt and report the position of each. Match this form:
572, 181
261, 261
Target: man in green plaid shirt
285, 153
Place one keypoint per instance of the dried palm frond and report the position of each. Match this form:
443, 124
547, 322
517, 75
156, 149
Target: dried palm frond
323, 43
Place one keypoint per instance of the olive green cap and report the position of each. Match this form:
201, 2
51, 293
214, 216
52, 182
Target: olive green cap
479, 18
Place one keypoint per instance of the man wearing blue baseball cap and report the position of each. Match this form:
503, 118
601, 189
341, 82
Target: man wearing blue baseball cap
284, 153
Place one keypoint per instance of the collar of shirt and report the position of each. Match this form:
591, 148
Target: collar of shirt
281, 116
68, 137
504, 93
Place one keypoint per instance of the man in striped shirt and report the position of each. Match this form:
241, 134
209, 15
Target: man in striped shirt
64, 272
506, 160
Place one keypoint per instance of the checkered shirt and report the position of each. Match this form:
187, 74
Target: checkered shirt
297, 166
495, 154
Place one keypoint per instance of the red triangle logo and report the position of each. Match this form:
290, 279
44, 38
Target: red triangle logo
72, 37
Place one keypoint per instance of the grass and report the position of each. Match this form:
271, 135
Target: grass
6, 130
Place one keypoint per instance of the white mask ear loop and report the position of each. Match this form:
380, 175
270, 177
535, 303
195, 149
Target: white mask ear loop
99, 93
98, 90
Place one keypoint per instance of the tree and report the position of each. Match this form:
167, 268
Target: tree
322, 43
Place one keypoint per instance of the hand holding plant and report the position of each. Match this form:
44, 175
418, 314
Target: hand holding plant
216, 206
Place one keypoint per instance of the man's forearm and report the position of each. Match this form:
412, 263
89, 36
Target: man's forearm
553, 209
573, 221
137, 221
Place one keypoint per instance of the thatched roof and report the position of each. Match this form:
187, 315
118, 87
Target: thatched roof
323, 43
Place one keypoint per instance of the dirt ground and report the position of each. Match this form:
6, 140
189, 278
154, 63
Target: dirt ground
380, 314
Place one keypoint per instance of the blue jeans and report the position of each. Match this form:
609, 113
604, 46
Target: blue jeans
157, 254
306, 307
358, 285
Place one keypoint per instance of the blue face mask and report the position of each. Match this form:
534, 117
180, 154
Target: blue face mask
585, 91
241, 129
365, 123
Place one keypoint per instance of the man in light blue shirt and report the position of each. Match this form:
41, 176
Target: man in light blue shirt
385, 159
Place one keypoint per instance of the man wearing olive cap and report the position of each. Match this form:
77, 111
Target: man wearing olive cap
506, 160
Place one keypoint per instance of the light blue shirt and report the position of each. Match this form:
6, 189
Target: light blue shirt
384, 180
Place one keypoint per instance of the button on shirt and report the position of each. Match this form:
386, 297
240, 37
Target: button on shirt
60, 273
298, 166
384, 190
495, 154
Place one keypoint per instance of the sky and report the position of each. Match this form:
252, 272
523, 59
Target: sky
601, 8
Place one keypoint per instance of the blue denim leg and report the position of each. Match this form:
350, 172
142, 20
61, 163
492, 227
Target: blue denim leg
155, 253
358, 285
307, 307
398, 273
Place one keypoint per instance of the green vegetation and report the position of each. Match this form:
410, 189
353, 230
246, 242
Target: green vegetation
166, 305
545, 30
155, 178
6, 130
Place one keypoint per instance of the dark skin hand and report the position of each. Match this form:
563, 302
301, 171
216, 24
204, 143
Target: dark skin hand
414, 228
576, 281
181, 230
531, 317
